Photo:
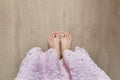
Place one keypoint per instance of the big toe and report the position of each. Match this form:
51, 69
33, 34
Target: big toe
63, 34
56, 35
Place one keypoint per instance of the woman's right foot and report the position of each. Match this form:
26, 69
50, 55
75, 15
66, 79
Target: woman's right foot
66, 40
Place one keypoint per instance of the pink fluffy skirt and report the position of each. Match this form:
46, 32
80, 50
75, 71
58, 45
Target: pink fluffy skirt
75, 65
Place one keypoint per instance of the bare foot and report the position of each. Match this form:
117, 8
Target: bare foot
53, 42
66, 40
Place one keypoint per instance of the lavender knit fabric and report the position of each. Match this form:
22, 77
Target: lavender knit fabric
75, 65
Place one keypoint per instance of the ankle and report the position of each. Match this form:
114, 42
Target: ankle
58, 52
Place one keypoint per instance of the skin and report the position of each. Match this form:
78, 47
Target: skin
60, 42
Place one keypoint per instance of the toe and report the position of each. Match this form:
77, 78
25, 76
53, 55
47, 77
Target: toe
63, 34
70, 37
49, 39
67, 35
56, 34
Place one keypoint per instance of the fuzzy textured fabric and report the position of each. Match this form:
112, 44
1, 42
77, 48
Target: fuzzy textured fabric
75, 65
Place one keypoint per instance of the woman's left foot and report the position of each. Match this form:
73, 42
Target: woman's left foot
54, 42
66, 40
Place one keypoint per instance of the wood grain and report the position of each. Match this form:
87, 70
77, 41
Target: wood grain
94, 25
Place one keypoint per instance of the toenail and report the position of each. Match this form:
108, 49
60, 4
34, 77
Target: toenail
63, 35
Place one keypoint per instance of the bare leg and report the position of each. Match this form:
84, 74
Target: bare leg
80, 65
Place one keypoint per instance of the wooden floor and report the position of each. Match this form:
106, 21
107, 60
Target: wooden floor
94, 25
